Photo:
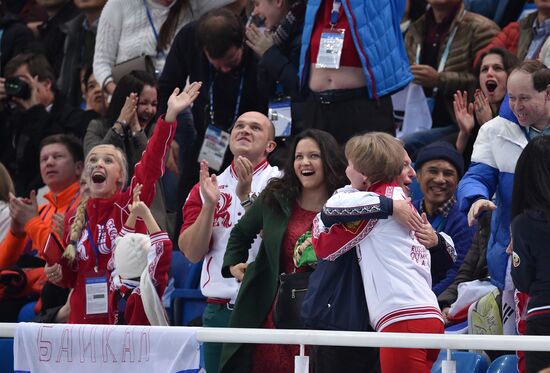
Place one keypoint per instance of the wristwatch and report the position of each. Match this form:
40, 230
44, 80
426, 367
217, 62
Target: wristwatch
250, 200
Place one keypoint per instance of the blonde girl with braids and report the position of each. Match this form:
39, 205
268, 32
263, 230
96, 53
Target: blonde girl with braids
91, 232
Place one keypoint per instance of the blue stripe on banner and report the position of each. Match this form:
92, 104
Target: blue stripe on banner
183, 371
21, 371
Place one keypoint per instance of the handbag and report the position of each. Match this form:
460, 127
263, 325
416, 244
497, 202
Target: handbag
335, 299
139, 63
288, 302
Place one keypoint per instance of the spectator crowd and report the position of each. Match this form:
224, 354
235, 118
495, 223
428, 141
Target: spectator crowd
399, 144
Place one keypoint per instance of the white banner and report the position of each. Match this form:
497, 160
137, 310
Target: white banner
105, 348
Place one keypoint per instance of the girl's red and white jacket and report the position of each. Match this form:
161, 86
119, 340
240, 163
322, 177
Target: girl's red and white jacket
158, 265
395, 267
106, 217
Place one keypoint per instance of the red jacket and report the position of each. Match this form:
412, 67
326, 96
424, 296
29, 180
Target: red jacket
106, 217
515, 37
158, 267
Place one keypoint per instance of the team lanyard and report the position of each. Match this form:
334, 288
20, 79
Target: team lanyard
211, 95
335, 12
150, 18
95, 246
445, 55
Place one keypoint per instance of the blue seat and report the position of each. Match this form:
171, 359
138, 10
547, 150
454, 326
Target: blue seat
6, 355
504, 364
466, 362
186, 301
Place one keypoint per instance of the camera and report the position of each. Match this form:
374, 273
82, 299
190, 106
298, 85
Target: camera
17, 87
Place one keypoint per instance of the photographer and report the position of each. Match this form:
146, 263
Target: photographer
31, 110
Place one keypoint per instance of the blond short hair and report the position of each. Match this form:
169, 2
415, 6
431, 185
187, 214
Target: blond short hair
377, 155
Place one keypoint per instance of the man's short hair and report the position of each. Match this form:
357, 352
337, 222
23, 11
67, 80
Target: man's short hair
37, 65
218, 31
538, 71
377, 155
72, 143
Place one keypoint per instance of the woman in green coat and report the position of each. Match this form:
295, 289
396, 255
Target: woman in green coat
283, 212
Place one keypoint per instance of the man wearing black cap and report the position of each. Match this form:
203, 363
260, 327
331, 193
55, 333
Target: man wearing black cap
439, 167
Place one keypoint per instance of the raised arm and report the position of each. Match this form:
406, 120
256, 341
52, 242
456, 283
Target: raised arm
152, 164
198, 216
138, 209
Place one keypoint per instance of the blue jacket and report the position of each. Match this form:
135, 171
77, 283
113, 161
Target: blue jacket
496, 151
377, 37
456, 227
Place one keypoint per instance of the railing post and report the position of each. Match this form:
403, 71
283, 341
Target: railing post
301, 363
448, 365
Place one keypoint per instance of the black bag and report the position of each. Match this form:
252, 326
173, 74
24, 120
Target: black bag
288, 302
335, 299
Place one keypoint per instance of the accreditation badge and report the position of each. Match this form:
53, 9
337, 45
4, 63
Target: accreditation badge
96, 294
214, 146
330, 49
280, 115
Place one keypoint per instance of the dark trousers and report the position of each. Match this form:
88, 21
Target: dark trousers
537, 360
339, 359
345, 118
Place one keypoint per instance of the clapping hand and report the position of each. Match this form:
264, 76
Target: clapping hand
244, 170
209, 186
128, 113
464, 112
23, 209
483, 110
58, 222
137, 207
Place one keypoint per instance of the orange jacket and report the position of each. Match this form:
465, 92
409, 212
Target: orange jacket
38, 229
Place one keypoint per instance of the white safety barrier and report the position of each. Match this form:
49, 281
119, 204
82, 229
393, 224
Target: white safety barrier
358, 339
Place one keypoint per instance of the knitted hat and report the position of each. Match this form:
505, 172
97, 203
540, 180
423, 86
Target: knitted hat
440, 150
131, 255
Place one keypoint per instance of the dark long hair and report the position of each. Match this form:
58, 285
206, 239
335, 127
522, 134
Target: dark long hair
334, 167
509, 60
532, 178
168, 29
131, 82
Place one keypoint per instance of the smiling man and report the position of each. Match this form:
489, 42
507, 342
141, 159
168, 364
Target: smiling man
215, 205
211, 50
439, 167
61, 162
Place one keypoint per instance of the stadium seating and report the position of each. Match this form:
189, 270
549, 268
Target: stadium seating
187, 301
466, 362
504, 364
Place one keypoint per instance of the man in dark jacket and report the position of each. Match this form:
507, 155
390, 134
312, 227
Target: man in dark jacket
16, 36
211, 50
50, 36
78, 50
31, 118
439, 167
